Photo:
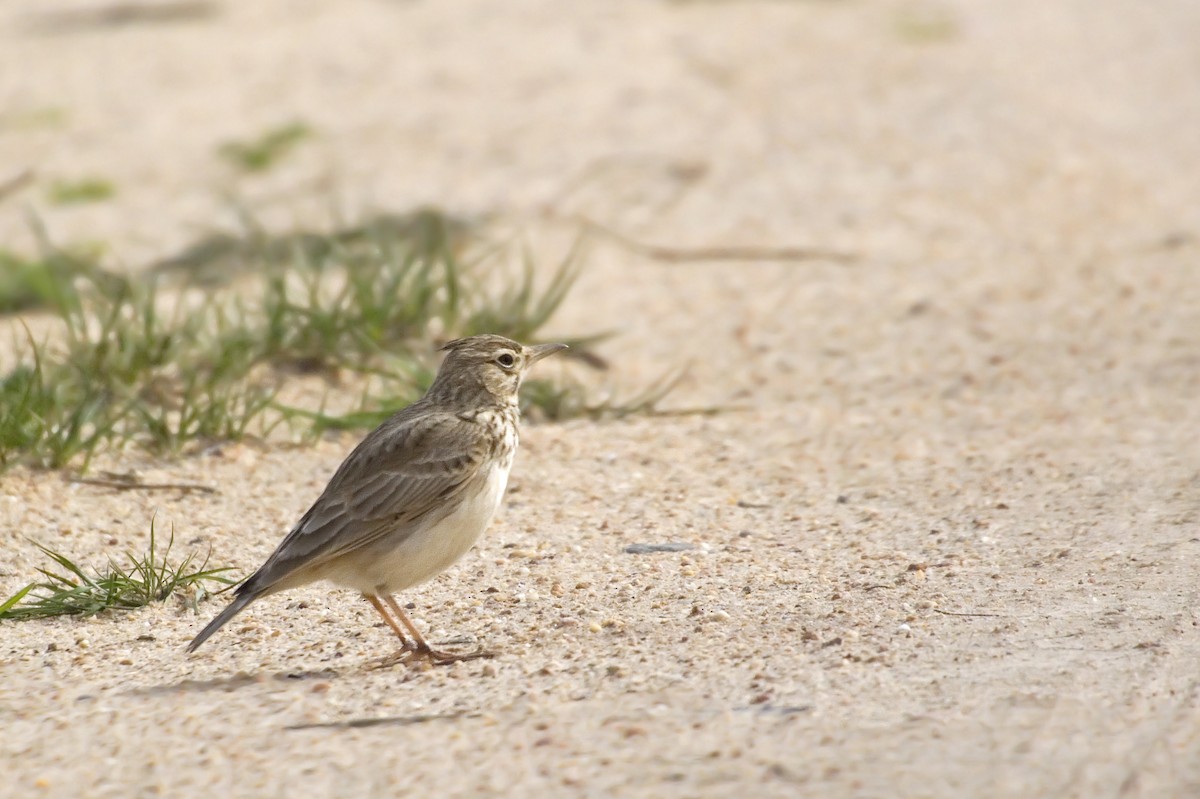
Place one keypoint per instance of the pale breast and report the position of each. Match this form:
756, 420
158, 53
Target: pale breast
432, 548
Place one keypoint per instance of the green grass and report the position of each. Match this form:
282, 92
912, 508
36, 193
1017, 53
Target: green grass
926, 26
161, 364
47, 117
78, 192
68, 589
550, 400
47, 280
218, 259
263, 152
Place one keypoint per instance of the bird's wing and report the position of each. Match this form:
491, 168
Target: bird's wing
410, 467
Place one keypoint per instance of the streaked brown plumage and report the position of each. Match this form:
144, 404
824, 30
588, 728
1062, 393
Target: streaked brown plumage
414, 495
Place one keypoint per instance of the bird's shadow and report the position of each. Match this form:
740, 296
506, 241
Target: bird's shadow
402, 657
231, 683
243, 680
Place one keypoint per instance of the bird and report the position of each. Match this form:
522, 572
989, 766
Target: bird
413, 496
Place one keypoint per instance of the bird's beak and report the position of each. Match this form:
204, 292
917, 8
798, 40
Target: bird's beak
541, 351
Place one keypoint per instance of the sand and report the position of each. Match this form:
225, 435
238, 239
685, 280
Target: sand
942, 539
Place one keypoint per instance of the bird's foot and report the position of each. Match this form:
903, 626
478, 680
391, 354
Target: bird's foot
401, 655
441, 657
423, 654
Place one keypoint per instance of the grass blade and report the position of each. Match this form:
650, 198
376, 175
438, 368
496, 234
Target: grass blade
148, 578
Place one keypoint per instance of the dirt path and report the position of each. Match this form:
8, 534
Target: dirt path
945, 544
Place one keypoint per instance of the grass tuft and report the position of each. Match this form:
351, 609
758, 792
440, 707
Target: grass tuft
68, 589
165, 365
926, 26
78, 192
45, 281
548, 400
263, 152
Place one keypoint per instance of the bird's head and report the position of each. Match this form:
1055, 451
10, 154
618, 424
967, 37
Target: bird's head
490, 364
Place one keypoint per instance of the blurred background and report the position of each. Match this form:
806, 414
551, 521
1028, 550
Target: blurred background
736, 167
865, 125
896, 301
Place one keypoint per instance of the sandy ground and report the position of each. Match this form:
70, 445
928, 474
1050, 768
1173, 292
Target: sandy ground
945, 543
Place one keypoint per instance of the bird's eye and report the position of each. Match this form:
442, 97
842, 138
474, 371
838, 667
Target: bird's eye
506, 360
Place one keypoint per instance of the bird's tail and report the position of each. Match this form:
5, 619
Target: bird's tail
234, 608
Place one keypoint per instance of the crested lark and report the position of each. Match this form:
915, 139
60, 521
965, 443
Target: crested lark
414, 496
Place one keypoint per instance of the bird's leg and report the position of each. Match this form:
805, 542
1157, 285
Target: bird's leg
423, 649
406, 645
